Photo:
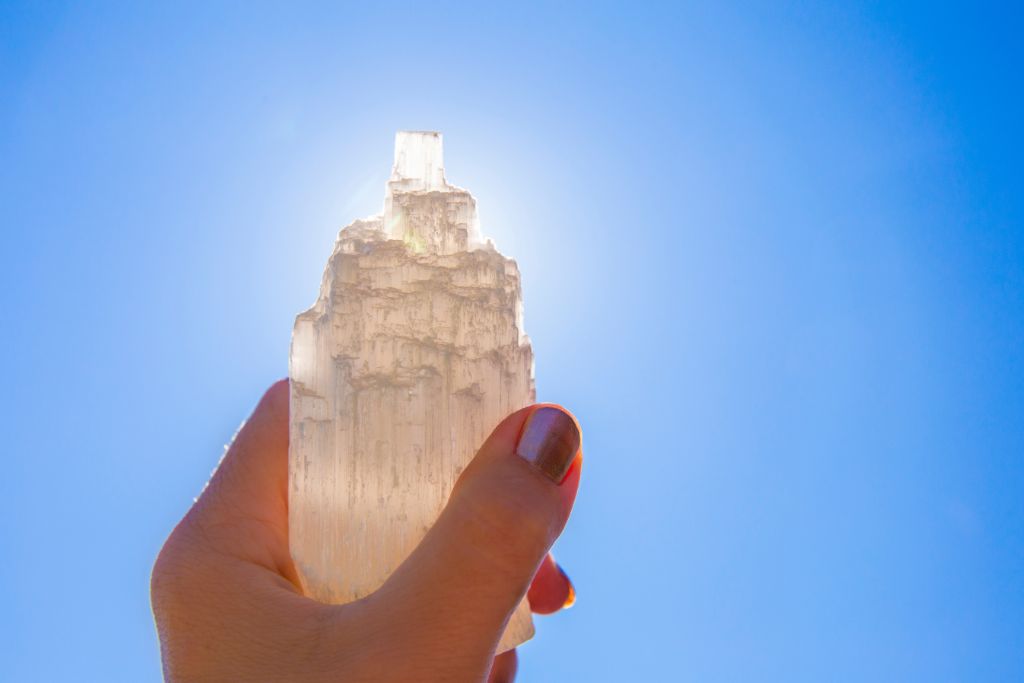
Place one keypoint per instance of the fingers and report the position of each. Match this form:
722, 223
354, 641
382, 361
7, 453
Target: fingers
474, 566
504, 668
220, 584
254, 471
244, 508
551, 589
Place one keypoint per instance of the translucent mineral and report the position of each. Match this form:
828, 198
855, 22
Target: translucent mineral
413, 352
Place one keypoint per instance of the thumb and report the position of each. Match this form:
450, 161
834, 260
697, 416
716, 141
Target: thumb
462, 583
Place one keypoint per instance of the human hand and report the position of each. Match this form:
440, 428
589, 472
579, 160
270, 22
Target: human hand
226, 597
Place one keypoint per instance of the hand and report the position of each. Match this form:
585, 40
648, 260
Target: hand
225, 592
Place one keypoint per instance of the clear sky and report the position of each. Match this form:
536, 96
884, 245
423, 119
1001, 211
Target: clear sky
773, 258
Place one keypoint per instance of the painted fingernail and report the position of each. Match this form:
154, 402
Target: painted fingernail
549, 441
570, 599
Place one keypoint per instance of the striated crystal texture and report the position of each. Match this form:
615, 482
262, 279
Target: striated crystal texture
413, 352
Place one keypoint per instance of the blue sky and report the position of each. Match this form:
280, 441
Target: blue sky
773, 258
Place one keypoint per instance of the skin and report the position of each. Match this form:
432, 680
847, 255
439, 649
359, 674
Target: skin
228, 607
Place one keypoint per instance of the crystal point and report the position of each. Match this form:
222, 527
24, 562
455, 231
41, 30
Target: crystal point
419, 161
412, 353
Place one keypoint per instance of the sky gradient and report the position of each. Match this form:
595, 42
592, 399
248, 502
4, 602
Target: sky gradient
773, 259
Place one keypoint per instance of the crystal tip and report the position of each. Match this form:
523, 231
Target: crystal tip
419, 159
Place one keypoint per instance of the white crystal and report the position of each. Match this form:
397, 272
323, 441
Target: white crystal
413, 352
419, 162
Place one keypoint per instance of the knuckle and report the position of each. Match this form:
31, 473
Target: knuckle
178, 565
168, 578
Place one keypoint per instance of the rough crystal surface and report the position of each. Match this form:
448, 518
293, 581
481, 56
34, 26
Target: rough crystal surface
412, 353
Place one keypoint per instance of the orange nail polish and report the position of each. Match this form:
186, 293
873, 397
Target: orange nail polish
570, 599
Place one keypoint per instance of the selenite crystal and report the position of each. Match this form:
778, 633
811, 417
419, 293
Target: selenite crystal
412, 354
